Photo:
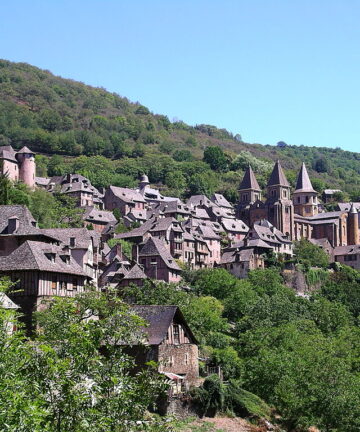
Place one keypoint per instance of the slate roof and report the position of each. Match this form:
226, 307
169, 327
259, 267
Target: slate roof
27, 223
303, 183
347, 250
135, 273
92, 214
82, 236
243, 255
277, 176
221, 201
8, 153
31, 255
155, 246
159, 319
347, 206
200, 200
236, 225
249, 180
127, 195
25, 150
207, 232
200, 213
42, 181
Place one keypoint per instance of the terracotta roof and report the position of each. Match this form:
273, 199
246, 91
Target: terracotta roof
303, 183
159, 319
277, 176
249, 180
32, 255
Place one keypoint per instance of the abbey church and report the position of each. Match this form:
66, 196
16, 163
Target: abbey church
297, 216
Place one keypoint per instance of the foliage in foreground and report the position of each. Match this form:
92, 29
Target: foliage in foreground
73, 376
299, 355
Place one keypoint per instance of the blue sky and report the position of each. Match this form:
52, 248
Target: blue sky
268, 69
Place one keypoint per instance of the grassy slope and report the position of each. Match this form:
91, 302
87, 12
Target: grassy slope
55, 115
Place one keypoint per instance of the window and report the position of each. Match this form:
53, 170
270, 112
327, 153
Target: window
54, 282
284, 194
63, 285
186, 358
176, 333
74, 285
307, 199
298, 200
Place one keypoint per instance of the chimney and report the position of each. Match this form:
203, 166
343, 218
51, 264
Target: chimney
135, 252
13, 224
119, 249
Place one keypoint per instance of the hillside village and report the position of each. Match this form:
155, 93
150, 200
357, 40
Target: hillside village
164, 237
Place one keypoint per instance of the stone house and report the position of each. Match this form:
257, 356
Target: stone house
240, 260
156, 260
98, 219
77, 187
124, 199
83, 245
171, 343
348, 255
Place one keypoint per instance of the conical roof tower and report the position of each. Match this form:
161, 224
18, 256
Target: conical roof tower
249, 181
303, 183
277, 177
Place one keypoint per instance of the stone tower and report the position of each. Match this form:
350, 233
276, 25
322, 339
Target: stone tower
250, 199
27, 167
305, 198
144, 181
280, 208
353, 226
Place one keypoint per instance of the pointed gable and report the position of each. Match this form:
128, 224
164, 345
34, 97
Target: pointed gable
277, 177
249, 180
303, 183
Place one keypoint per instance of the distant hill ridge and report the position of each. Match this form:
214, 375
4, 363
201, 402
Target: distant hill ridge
53, 115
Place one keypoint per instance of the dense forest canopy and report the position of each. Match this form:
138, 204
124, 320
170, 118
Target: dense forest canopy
56, 116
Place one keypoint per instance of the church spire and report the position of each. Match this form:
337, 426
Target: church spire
303, 183
277, 177
249, 180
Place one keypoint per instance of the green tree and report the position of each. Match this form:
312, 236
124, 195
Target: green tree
215, 157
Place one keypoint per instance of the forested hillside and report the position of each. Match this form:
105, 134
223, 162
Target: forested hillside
56, 116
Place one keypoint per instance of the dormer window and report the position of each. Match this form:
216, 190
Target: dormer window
50, 256
72, 241
176, 333
65, 259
